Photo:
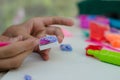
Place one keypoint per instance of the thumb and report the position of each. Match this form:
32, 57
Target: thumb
18, 47
27, 36
30, 43
21, 46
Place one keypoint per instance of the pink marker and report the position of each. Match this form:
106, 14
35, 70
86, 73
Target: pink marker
4, 44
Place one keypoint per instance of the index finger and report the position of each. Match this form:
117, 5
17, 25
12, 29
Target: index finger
56, 20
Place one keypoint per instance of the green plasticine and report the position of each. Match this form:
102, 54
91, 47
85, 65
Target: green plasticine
106, 56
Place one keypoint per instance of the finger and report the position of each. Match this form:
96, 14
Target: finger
57, 20
44, 53
28, 36
17, 48
41, 34
34, 26
19, 38
56, 31
10, 40
38, 25
4, 38
34, 36
59, 34
14, 62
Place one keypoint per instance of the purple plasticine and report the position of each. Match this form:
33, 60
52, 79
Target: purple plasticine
47, 40
65, 47
51, 38
44, 42
27, 77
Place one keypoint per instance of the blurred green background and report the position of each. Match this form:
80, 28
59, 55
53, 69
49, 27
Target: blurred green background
17, 11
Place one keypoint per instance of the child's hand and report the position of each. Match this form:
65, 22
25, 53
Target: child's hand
12, 55
38, 27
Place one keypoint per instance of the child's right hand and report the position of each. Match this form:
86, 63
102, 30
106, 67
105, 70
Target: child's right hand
12, 55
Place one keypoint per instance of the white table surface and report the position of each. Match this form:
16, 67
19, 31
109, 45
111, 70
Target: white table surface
73, 65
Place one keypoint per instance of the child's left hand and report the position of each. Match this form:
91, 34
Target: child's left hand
37, 28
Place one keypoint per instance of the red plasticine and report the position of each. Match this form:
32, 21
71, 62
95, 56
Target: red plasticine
97, 31
93, 47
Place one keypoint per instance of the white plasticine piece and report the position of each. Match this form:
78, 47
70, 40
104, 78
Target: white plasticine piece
47, 46
50, 45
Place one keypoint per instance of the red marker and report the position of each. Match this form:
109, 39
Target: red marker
93, 47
